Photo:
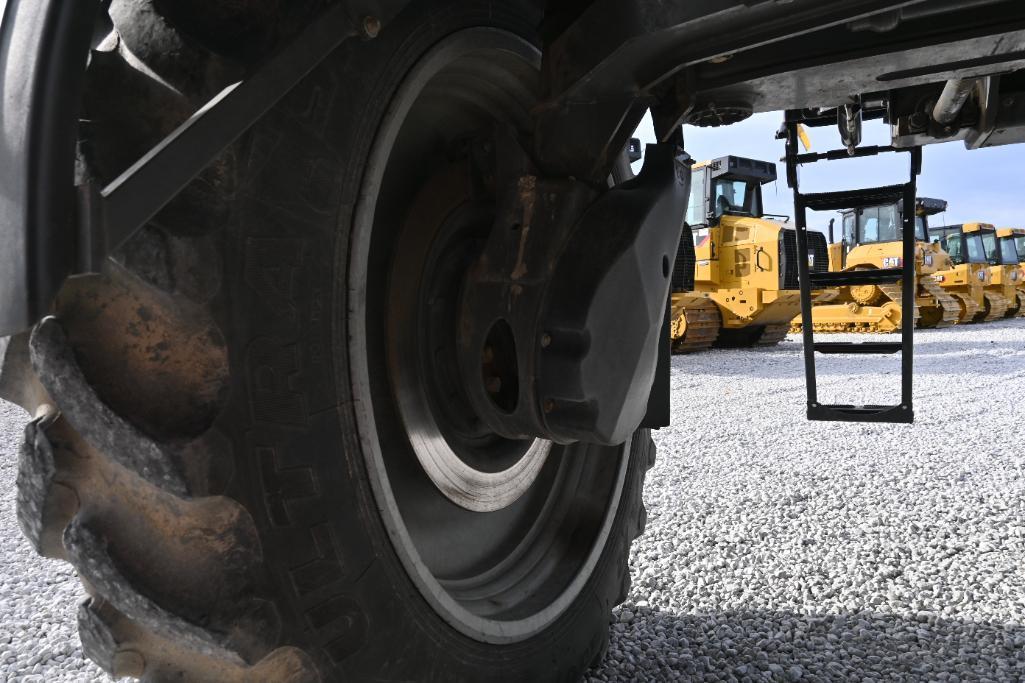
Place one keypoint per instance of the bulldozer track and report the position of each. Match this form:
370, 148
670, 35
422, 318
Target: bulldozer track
1021, 304
951, 309
700, 325
998, 305
892, 292
969, 309
852, 326
772, 334
1014, 308
895, 294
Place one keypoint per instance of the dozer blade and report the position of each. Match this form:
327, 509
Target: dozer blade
950, 310
823, 297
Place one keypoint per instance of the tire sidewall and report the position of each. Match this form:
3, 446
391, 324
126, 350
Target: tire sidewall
330, 568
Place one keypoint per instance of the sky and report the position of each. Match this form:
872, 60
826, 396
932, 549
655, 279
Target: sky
984, 185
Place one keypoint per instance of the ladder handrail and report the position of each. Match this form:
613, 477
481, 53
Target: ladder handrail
816, 411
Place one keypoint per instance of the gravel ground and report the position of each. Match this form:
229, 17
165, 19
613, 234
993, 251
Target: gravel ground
38, 597
776, 549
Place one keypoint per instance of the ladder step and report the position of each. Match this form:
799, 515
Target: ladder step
845, 278
852, 199
834, 154
846, 413
858, 347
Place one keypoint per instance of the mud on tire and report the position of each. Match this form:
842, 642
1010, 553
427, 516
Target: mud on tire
195, 448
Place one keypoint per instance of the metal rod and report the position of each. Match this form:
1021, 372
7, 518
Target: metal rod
834, 154
132, 199
909, 284
801, 225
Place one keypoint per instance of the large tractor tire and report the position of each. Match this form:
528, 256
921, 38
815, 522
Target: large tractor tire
249, 436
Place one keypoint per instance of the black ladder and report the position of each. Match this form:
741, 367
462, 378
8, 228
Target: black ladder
852, 199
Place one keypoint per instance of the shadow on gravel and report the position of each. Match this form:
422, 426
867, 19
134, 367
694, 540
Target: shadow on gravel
779, 646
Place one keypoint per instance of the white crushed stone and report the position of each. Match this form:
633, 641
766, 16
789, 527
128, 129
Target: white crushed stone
38, 597
776, 549
781, 550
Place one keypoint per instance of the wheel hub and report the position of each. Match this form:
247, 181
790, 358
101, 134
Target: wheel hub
470, 464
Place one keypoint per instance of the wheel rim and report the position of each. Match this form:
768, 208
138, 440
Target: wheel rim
499, 537
472, 467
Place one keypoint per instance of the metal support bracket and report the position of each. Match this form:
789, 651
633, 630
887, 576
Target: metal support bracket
114, 213
567, 302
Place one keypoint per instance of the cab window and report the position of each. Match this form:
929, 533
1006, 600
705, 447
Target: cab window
735, 196
976, 252
1008, 251
952, 244
921, 229
989, 244
696, 209
848, 227
869, 228
880, 224
1019, 246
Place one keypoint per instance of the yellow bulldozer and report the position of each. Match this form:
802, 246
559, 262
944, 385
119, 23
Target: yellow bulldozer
1018, 235
871, 239
1004, 268
745, 286
969, 278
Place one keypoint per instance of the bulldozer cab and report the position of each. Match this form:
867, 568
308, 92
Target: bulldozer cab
1000, 248
1018, 237
962, 246
878, 224
873, 225
729, 185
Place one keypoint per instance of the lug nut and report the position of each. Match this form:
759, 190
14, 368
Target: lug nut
549, 405
493, 385
546, 340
